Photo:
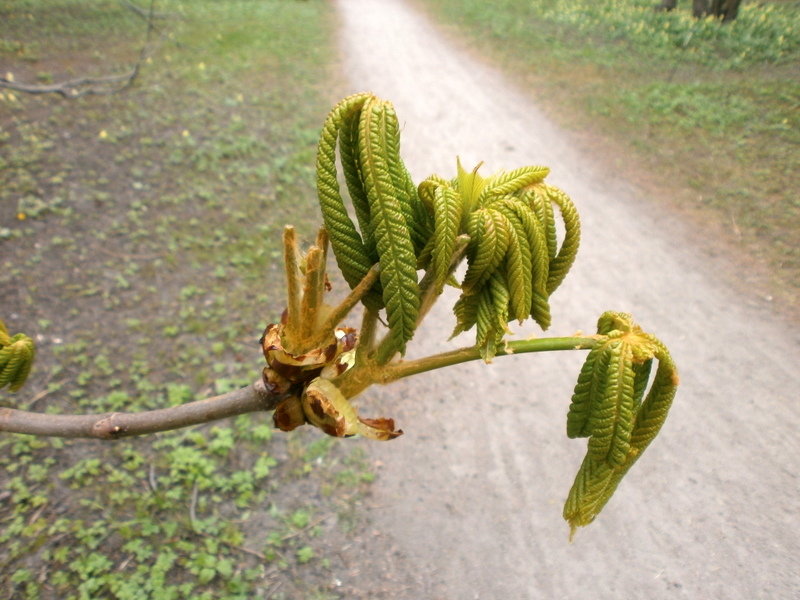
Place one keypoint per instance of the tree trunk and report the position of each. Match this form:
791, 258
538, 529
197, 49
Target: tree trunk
730, 10
700, 8
667, 5
727, 10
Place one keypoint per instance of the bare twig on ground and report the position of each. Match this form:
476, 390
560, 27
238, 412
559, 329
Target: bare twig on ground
84, 86
147, 14
75, 88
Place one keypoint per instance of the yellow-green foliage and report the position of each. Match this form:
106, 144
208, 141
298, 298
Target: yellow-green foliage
763, 31
16, 357
513, 257
607, 407
386, 203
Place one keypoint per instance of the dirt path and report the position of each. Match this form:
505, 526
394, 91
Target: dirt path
471, 496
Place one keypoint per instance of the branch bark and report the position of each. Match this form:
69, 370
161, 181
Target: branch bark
111, 426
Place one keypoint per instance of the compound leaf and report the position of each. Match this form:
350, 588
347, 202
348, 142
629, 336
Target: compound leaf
351, 253
446, 222
611, 419
398, 261
508, 182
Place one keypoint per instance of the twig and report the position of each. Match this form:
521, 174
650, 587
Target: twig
125, 563
366, 338
193, 507
37, 514
273, 590
151, 476
361, 376
311, 525
111, 426
75, 88
255, 553
84, 86
43, 393
147, 15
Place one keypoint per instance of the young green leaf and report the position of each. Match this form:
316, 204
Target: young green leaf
466, 311
537, 198
446, 221
562, 262
351, 253
378, 127
588, 391
594, 485
489, 238
509, 182
653, 411
349, 157
16, 359
469, 185
620, 427
611, 419
519, 264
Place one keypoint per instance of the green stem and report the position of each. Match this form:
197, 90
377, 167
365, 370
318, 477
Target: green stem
343, 309
360, 377
366, 336
402, 369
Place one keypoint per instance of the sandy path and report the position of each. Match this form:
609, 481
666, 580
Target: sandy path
471, 496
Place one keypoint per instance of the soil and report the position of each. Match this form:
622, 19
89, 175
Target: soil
468, 502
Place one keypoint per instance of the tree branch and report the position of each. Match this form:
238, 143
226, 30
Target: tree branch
111, 426
145, 14
74, 88
396, 371
83, 86
361, 376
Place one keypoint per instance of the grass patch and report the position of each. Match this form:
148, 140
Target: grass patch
139, 236
710, 111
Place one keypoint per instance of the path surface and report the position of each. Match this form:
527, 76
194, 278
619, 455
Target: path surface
470, 497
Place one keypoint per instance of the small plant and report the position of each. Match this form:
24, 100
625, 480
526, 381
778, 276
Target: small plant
404, 246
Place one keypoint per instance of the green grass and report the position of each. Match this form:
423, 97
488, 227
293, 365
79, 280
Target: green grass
139, 238
710, 111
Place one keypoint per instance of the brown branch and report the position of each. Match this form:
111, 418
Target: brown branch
112, 426
84, 86
145, 14
74, 88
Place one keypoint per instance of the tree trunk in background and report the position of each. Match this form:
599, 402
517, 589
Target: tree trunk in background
700, 8
730, 10
727, 10
667, 5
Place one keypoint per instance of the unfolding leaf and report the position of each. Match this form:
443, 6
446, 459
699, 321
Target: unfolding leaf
562, 262
611, 419
378, 126
351, 253
447, 219
16, 360
509, 182
606, 407
489, 239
